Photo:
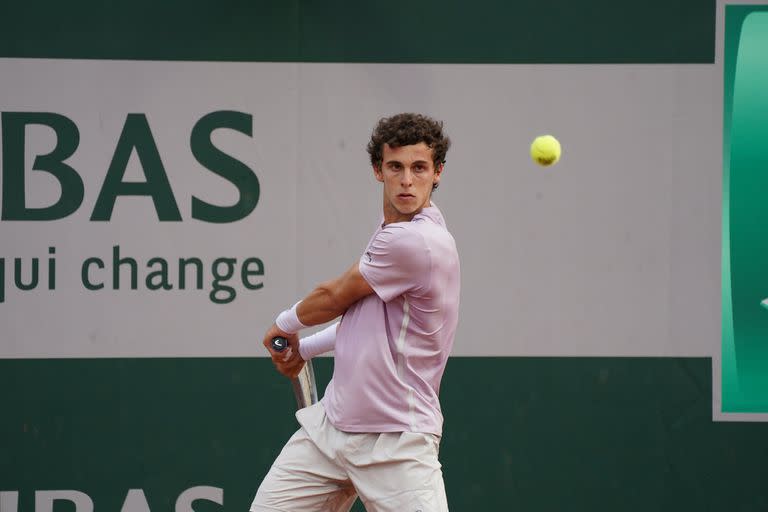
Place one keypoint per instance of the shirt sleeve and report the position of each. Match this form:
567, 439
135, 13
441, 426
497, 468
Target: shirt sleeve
397, 261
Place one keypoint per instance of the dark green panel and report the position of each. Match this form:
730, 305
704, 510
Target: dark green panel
533, 434
499, 31
488, 31
596, 434
204, 30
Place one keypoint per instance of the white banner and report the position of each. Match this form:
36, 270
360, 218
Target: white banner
613, 251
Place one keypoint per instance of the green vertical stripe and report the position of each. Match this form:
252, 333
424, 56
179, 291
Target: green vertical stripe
745, 285
487, 31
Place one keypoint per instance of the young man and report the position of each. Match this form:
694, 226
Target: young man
376, 432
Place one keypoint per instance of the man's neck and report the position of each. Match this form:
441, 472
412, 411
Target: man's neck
391, 215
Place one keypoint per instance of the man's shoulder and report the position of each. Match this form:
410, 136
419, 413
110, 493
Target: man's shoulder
423, 234
405, 236
432, 233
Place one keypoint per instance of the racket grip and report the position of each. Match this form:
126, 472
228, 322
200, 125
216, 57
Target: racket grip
279, 343
304, 385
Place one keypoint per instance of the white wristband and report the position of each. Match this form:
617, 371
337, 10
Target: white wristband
318, 343
288, 321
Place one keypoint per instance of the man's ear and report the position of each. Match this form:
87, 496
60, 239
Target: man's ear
377, 173
438, 173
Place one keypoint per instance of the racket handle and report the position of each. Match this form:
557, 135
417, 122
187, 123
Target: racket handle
279, 343
304, 385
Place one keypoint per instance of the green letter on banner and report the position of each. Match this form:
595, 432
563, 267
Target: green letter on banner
234, 171
745, 212
137, 134
14, 126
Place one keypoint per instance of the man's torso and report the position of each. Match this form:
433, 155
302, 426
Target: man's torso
392, 346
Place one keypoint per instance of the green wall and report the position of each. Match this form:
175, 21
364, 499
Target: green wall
489, 31
533, 434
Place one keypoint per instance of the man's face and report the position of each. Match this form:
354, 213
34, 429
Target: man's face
408, 174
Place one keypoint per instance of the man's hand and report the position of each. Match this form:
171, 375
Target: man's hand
289, 361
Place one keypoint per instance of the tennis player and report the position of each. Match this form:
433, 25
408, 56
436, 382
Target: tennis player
376, 432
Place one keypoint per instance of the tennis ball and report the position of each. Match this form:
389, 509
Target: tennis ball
545, 150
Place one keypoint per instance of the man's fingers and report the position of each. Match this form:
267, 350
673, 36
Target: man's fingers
296, 371
287, 362
290, 368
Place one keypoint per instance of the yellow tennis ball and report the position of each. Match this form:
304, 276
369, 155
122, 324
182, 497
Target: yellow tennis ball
545, 150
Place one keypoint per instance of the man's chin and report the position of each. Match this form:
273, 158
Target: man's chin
406, 207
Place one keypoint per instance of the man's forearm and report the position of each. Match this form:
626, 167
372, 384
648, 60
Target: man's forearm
320, 306
318, 343
326, 302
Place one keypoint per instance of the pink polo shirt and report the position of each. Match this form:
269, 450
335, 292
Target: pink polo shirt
392, 346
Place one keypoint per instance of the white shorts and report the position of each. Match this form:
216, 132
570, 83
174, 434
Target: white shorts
324, 469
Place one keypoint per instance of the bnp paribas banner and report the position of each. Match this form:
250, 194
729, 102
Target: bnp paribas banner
148, 209
174, 174
167, 208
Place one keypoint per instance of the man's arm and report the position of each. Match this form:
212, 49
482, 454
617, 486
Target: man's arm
318, 343
326, 302
332, 298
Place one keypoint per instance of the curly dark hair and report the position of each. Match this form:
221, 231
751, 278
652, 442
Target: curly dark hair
406, 129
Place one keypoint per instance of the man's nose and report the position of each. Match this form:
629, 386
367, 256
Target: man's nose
407, 178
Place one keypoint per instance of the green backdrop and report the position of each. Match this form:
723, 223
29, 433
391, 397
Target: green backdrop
534, 434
